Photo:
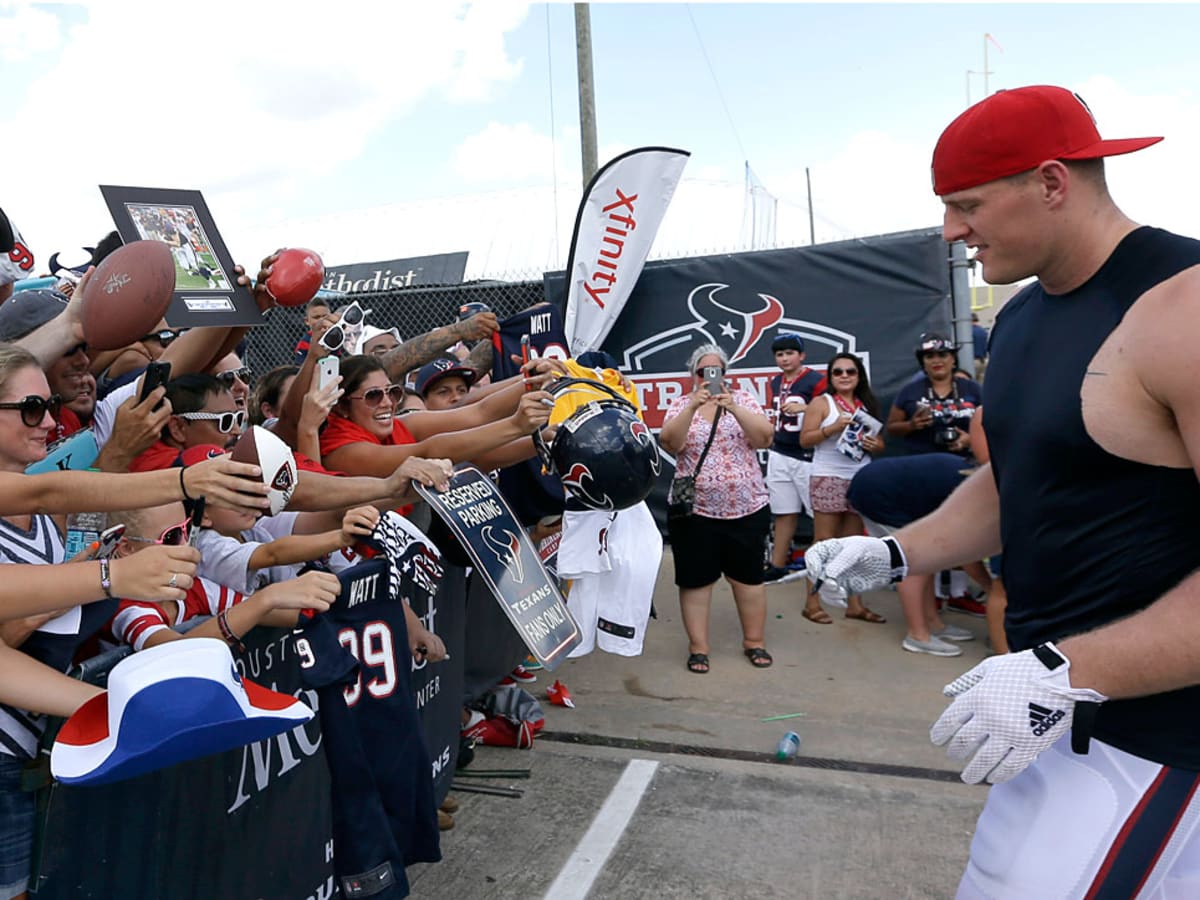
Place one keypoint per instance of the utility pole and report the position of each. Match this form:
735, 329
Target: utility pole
812, 230
587, 92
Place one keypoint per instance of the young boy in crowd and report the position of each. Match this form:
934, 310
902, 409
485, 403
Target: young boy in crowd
788, 463
315, 311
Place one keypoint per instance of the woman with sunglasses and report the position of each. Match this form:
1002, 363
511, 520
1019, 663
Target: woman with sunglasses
25, 420
726, 532
932, 413
363, 436
841, 446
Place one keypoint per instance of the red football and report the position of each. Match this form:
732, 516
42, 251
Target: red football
296, 276
128, 294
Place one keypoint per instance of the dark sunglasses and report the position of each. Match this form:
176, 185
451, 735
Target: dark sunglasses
374, 396
78, 348
175, 536
34, 408
227, 377
937, 354
844, 371
163, 337
226, 421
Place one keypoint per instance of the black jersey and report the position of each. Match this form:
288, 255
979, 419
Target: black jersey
787, 427
531, 494
1089, 537
355, 655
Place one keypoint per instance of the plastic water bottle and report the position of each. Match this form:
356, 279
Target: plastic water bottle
789, 746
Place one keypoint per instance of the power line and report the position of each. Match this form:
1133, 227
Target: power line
553, 136
716, 83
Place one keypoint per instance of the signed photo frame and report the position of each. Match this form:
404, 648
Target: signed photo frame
206, 289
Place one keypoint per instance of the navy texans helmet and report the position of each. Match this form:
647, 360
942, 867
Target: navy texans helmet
471, 309
605, 455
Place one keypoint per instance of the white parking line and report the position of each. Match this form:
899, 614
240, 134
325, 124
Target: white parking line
581, 869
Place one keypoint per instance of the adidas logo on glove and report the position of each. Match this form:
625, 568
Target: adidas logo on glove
1042, 719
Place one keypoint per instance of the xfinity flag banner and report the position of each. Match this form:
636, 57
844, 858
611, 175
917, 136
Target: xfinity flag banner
618, 218
479, 517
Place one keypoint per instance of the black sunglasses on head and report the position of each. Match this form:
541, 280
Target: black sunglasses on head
34, 408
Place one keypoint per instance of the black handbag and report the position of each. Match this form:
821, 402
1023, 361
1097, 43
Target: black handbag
683, 487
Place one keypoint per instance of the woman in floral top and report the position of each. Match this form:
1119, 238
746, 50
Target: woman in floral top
726, 533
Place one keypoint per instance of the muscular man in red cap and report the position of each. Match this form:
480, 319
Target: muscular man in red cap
1090, 728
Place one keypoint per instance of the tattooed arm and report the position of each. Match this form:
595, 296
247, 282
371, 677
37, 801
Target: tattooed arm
432, 344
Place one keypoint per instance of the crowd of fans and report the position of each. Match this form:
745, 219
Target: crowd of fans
399, 411
396, 412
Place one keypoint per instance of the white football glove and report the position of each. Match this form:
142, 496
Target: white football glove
856, 564
1007, 710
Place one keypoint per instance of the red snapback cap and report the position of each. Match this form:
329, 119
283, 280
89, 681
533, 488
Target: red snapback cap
1017, 130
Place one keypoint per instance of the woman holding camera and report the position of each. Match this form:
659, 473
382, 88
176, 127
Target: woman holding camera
933, 411
713, 432
842, 427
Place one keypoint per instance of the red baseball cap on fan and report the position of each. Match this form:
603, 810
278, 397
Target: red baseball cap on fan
1017, 130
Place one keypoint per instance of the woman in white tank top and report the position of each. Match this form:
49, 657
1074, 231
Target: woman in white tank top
843, 428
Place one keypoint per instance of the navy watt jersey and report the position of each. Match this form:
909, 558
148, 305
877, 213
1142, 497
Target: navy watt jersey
531, 494
787, 427
356, 656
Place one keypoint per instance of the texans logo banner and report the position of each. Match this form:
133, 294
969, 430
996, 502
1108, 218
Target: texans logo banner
478, 515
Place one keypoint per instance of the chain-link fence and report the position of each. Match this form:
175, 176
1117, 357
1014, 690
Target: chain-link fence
412, 311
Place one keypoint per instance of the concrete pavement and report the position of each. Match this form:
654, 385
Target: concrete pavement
869, 809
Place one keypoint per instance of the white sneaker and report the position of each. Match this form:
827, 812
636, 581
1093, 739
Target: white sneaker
934, 646
954, 633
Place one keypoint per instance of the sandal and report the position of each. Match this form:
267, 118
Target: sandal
867, 616
759, 657
698, 663
817, 615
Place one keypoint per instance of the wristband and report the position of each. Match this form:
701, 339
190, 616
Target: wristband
182, 486
106, 579
227, 633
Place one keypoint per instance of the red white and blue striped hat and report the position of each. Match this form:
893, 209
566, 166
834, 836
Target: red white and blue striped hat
166, 705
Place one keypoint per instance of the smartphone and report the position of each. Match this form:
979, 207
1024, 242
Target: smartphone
157, 373
197, 519
714, 379
109, 538
333, 339
329, 366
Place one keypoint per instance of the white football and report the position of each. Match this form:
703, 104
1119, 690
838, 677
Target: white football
261, 448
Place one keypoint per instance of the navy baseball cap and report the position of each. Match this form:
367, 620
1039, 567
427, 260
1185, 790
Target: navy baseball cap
432, 372
787, 340
26, 311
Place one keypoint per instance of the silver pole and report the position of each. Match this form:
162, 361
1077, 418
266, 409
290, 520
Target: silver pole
587, 92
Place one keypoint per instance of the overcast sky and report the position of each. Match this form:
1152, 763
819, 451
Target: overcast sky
371, 131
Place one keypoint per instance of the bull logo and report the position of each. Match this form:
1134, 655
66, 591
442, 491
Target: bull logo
581, 483
736, 331
284, 481
642, 435
507, 548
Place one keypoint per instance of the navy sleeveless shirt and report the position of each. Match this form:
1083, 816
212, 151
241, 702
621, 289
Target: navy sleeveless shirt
1088, 537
